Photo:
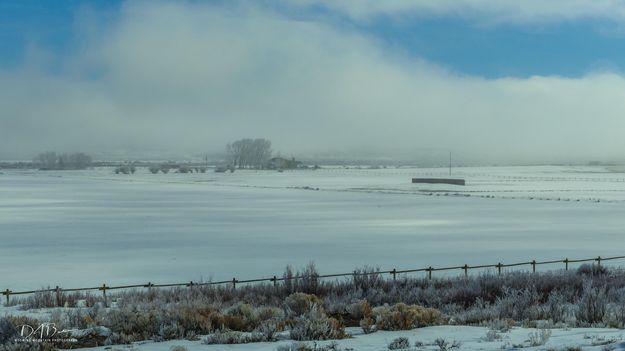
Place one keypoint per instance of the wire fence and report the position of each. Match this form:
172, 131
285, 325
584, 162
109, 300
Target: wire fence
234, 281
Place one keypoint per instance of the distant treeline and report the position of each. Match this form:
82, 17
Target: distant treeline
52, 161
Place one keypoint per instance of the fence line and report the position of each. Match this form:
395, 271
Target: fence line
104, 288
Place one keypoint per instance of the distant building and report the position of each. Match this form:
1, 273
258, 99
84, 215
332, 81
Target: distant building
283, 163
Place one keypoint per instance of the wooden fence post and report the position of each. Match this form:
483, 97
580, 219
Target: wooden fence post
58, 296
466, 270
430, 272
566, 264
499, 268
599, 261
394, 273
275, 281
234, 283
7, 293
103, 288
533, 266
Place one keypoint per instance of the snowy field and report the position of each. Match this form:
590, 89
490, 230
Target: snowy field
470, 338
84, 228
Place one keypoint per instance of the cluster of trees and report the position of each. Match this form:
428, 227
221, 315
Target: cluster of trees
162, 168
190, 169
181, 169
51, 160
249, 153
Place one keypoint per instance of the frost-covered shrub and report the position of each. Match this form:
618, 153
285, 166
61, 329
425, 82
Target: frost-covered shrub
234, 337
41, 300
615, 311
48, 299
309, 281
8, 330
399, 344
359, 310
367, 278
323, 328
117, 339
271, 328
519, 304
404, 317
444, 345
362, 312
539, 337
178, 348
136, 325
245, 317
591, 270
169, 331
492, 335
592, 304
368, 325
315, 325
245, 314
75, 318
557, 307
266, 313
306, 281
481, 311
196, 318
298, 304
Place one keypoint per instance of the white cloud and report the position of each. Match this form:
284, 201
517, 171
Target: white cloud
482, 11
189, 78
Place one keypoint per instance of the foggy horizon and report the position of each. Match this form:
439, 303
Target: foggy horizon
320, 80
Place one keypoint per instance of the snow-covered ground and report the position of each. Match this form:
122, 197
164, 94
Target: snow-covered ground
84, 228
470, 338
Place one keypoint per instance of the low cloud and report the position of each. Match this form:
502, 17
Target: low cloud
488, 12
180, 79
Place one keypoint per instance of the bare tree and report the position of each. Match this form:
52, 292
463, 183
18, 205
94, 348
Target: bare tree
247, 152
46, 160
261, 152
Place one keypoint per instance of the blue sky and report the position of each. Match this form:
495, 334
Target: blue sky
47, 24
564, 48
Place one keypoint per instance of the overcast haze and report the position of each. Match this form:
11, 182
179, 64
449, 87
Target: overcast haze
314, 77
